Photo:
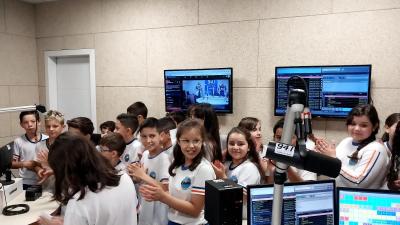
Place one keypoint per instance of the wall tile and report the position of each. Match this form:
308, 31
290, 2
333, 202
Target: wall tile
223, 45
386, 101
20, 18
293, 8
120, 15
359, 5
5, 97
79, 41
319, 40
100, 105
336, 130
42, 95
46, 44
5, 140
121, 59
5, 128
52, 19
24, 95
2, 17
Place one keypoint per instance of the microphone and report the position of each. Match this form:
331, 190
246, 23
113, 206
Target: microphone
304, 159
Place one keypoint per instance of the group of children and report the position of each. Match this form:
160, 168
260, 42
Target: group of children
168, 161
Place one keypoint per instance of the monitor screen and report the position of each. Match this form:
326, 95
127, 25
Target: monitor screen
303, 203
186, 87
366, 206
6, 153
332, 90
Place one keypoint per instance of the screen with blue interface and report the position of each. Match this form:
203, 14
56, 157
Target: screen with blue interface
186, 87
333, 90
361, 206
303, 203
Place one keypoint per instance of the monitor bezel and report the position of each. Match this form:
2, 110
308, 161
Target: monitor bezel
256, 186
320, 116
230, 88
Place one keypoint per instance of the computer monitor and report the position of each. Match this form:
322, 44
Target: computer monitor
366, 206
184, 87
332, 90
6, 153
303, 203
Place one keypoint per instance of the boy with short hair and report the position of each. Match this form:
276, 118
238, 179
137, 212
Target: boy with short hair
139, 110
24, 147
107, 127
153, 169
164, 126
112, 146
126, 125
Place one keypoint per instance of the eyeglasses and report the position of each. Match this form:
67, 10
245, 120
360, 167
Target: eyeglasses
188, 142
104, 149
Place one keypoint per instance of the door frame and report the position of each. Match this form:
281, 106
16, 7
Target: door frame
50, 59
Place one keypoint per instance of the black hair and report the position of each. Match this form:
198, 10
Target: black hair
128, 121
249, 123
114, 141
79, 167
206, 112
278, 124
33, 112
179, 158
83, 124
177, 116
165, 124
108, 125
137, 109
390, 120
150, 122
395, 159
370, 112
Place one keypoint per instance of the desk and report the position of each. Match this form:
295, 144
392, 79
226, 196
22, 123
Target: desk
43, 204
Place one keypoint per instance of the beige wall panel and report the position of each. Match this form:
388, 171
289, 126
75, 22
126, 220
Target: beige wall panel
16, 129
360, 5
336, 130
2, 17
155, 102
5, 128
68, 17
101, 106
79, 41
333, 40
214, 11
42, 96
223, 45
121, 59
386, 101
20, 18
5, 97
120, 15
22, 60
46, 44
5, 70
5, 140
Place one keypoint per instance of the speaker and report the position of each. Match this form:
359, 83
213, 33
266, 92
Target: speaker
223, 202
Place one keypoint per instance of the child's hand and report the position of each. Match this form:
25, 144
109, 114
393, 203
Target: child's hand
219, 169
50, 220
136, 170
151, 192
42, 156
30, 164
324, 147
44, 173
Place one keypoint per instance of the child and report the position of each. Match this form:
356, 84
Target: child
364, 160
165, 125
152, 170
54, 125
390, 126
107, 127
112, 146
82, 126
126, 125
90, 188
188, 171
253, 125
24, 148
394, 171
242, 162
139, 110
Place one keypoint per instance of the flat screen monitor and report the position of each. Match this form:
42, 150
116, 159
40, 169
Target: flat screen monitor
303, 203
6, 153
333, 90
185, 87
366, 206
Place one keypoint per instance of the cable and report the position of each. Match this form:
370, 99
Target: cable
9, 210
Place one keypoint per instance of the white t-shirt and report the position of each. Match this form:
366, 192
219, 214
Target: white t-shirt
25, 150
170, 153
110, 206
369, 171
244, 174
154, 212
187, 183
132, 151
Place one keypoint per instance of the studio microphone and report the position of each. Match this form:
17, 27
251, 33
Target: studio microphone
304, 159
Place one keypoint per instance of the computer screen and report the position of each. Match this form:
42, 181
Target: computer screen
303, 203
333, 90
366, 206
186, 87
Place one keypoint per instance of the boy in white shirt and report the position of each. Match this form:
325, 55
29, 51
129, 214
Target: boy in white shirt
153, 169
126, 125
165, 125
112, 146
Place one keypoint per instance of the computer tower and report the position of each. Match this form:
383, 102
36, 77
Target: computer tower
223, 202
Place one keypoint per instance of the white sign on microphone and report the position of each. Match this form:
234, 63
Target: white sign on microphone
284, 149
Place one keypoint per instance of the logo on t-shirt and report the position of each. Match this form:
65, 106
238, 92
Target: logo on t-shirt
153, 175
126, 158
186, 183
234, 179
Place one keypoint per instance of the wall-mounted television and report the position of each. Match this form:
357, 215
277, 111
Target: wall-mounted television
333, 90
184, 87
